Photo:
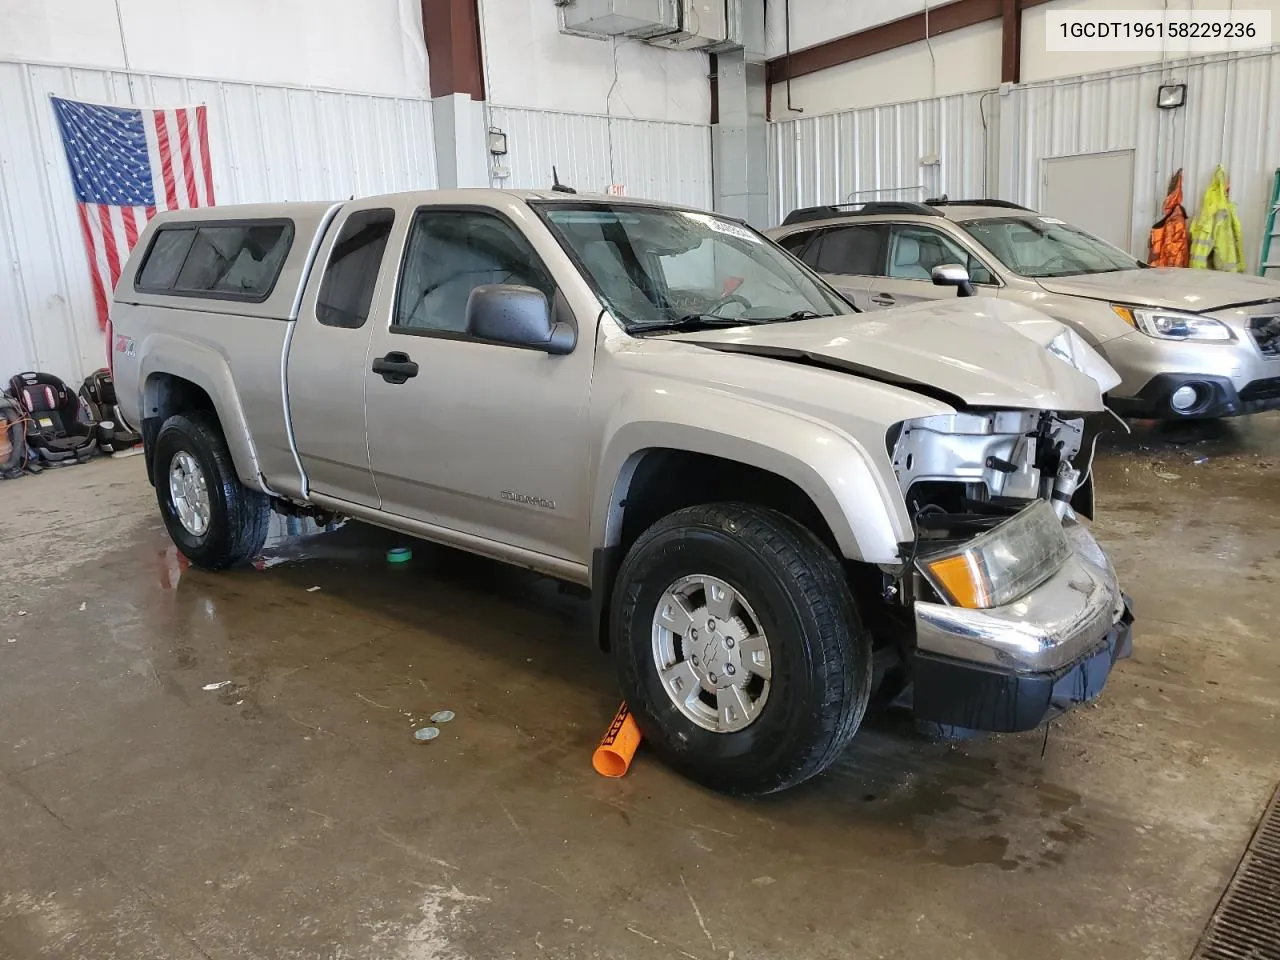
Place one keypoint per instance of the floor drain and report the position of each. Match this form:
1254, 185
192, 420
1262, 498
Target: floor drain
1246, 925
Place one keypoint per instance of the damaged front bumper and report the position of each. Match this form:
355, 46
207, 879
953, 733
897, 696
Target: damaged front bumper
1012, 667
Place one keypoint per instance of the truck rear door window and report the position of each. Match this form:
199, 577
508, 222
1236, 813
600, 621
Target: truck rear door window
347, 288
224, 260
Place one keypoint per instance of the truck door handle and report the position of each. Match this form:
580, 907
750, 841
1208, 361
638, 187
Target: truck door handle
395, 367
884, 300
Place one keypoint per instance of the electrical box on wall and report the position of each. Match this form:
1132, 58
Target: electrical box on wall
675, 24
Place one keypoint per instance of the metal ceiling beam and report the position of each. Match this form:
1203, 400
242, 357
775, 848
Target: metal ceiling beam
1010, 41
946, 18
451, 29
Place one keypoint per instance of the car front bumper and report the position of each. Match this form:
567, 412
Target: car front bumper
1230, 379
1013, 667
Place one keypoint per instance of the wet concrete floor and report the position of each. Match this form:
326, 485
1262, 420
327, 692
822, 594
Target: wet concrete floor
223, 765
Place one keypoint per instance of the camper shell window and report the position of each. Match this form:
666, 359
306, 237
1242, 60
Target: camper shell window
221, 259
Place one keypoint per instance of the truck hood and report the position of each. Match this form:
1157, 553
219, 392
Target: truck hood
1192, 290
953, 351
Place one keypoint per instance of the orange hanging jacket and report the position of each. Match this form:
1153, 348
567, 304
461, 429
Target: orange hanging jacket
1170, 243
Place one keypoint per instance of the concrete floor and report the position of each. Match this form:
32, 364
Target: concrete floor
287, 812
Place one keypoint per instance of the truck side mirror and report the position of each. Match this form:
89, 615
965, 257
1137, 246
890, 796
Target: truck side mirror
953, 275
519, 316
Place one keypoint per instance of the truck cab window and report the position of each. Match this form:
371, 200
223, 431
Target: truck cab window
346, 292
452, 252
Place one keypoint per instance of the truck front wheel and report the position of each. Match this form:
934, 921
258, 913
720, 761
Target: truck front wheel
738, 647
211, 516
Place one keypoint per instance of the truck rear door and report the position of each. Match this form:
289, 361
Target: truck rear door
329, 354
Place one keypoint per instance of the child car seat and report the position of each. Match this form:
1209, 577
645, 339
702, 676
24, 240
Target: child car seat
98, 395
55, 432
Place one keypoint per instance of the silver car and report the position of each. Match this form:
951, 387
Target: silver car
780, 508
1186, 343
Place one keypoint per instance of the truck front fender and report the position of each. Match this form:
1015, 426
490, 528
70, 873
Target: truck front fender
848, 482
207, 369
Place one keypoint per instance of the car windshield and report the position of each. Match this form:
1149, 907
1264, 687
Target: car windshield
658, 268
1033, 246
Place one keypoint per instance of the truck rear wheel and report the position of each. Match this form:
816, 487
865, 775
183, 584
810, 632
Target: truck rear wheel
211, 516
738, 647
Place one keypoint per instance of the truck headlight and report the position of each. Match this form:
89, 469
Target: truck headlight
1003, 564
1172, 324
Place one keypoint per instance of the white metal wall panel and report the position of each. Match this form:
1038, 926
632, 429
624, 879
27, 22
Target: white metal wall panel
1227, 120
879, 153
657, 160
268, 143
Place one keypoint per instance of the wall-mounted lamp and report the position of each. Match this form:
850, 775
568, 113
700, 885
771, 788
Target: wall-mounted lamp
497, 142
1171, 96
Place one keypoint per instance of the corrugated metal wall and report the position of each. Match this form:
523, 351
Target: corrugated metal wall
267, 143
879, 153
657, 160
1228, 119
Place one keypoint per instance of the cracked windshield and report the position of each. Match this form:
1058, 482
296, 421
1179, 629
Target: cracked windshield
663, 269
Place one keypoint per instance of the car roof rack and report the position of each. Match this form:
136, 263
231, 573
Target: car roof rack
870, 209
1006, 204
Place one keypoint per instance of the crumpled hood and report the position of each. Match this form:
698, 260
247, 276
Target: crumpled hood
961, 351
1174, 287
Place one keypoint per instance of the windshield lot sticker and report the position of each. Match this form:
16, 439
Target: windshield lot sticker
724, 226
1050, 220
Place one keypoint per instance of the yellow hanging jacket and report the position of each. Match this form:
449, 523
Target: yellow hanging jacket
1216, 241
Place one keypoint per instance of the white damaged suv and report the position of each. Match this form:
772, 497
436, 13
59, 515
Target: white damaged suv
779, 506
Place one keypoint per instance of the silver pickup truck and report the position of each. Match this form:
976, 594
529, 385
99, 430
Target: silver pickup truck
780, 507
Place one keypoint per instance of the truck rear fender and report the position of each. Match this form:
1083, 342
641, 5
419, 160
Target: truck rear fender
166, 359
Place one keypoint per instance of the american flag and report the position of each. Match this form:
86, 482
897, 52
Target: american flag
127, 163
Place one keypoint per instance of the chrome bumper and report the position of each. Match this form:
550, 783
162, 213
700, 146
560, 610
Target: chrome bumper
1050, 627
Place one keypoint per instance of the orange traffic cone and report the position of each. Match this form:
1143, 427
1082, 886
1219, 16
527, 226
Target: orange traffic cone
613, 757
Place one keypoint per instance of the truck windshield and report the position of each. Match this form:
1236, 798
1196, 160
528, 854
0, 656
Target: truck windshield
657, 268
1034, 246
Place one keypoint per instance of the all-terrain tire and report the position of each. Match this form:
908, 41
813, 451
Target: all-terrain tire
820, 653
238, 516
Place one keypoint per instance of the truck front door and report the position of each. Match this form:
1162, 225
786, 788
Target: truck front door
486, 440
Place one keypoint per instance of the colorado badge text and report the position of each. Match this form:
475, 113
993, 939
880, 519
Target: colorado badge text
525, 498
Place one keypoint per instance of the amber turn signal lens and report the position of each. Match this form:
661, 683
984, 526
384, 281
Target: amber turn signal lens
962, 578
1125, 314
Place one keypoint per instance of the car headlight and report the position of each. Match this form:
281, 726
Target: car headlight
1172, 324
1003, 564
